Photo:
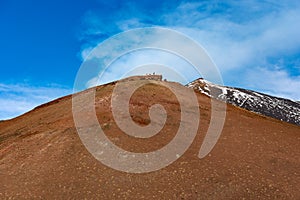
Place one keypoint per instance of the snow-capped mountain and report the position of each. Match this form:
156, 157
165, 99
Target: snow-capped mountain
278, 108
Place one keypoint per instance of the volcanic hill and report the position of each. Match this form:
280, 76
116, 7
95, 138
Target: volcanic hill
42, 156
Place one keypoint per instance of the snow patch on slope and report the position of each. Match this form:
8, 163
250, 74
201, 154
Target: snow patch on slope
279, 108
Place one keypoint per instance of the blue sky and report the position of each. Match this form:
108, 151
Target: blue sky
255, 44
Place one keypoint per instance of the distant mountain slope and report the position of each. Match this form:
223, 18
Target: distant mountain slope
278, 108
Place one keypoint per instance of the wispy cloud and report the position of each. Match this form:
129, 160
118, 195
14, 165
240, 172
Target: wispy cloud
260, 53
246, 39
15, 99
275, 82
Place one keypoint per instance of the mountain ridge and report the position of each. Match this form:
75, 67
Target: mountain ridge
203, 85
276, 107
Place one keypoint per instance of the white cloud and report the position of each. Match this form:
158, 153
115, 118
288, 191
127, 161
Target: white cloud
278, 82
16, 99
85, 52
248, 53
146, 46
240, 36
234, 45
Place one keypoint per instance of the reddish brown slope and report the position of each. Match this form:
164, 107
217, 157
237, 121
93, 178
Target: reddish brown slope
41, 155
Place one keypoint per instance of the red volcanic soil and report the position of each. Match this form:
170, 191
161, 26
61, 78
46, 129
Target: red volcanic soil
42, 156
